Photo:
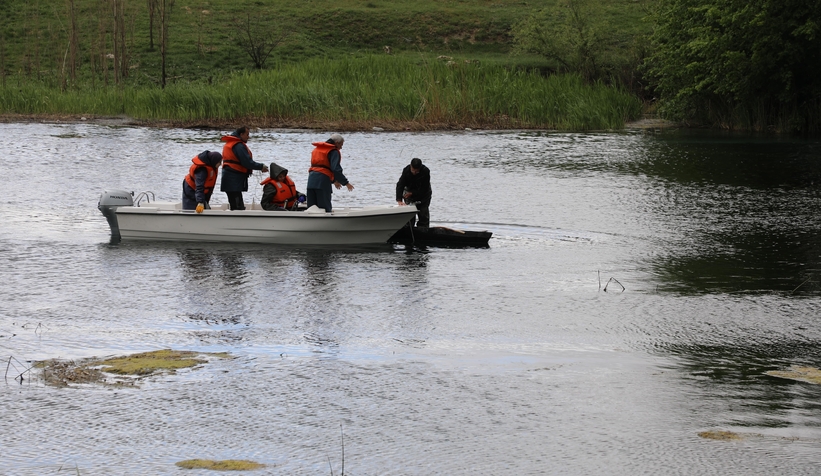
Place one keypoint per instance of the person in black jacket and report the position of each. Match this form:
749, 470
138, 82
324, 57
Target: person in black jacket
414, 187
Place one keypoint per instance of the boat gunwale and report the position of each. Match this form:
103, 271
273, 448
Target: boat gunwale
339, 213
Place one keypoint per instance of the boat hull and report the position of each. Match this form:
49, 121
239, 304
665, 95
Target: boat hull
350, 226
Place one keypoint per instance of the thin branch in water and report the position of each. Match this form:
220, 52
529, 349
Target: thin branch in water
28, 370
796, 288
598, 271
330, 466
19, 376
617, 282
343, 449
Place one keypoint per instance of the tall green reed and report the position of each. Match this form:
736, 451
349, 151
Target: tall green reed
364, 89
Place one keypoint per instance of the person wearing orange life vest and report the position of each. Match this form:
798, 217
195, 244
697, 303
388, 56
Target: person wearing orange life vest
198, 185
237, 165
326, 169
279, 191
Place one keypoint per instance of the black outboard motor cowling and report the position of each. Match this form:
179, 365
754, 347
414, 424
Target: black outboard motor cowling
110, 200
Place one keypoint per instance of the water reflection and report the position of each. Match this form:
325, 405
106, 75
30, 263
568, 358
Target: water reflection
319, 270
233, 269
734, 377
740, 212
197, 264
736, 160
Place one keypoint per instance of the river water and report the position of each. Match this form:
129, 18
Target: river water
636, 289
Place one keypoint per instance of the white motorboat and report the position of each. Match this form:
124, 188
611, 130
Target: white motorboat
132, 219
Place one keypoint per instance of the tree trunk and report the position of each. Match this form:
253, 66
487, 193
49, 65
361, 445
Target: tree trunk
26, 60
102, 44
72, 42
37, 39
152, 7
3, 57
123, 44
115, 36
163, 36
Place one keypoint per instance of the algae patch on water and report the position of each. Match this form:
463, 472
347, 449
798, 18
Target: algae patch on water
148, 363
124, 369
224, 465
720, 435
802, 374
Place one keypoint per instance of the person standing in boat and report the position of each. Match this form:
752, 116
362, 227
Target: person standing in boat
414, 187
200, 181
326, 169
238, 164
279, 191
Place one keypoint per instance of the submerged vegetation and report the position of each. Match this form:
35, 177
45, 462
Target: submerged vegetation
801, 374
223, 465
720, 435
121, 370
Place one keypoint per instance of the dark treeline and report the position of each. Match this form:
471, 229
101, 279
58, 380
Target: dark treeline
748, 64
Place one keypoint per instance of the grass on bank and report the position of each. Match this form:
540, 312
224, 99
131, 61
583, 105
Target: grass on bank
372, 89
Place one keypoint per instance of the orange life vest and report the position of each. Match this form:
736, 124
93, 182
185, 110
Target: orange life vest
210, 180
286, 192
319, 159
229, 159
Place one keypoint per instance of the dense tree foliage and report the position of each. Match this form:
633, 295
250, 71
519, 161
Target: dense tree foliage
597, 40
571, 35
752, 64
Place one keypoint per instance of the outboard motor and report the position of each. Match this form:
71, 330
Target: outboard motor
110, 200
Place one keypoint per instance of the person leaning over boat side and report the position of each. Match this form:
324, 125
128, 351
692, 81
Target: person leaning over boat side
279, 191
237, 165
414, 187
198, 185
326, 169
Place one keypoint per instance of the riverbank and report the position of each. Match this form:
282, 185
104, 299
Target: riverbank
644, 123
255, 123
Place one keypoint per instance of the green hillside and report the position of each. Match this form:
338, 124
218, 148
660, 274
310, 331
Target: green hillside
414, 64
202, 34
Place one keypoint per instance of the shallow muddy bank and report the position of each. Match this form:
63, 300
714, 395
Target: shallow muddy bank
264, 123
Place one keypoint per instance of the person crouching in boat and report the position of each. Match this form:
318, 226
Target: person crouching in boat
414, 187
279, 191
326, 170
238, 165
199, 183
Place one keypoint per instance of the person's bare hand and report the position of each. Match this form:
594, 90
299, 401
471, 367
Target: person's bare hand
350, 187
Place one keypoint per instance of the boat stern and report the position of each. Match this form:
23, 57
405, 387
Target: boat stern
110, 201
